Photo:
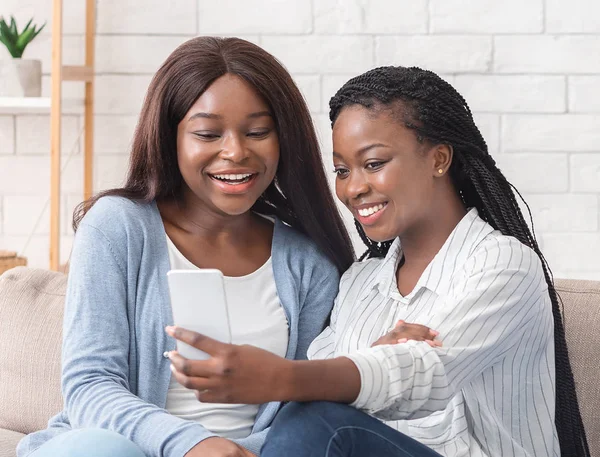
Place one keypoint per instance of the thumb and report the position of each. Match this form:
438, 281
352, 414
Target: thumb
195, 339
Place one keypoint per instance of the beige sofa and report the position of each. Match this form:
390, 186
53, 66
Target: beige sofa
31, 303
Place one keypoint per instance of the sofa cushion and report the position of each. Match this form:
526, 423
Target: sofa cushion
581, 301
8, 442
31, 311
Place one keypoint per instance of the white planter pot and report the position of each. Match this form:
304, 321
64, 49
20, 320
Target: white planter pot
20, 78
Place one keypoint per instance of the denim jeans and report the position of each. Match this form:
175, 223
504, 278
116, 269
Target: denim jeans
88, 442
324, 429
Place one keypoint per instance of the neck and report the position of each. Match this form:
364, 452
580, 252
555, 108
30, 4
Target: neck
196, 218
421, 243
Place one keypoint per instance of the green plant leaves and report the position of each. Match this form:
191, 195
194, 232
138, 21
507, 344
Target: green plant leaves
13, 25
14, 41
8, 38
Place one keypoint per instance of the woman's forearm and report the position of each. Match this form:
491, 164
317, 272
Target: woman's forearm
250, 375
336, 380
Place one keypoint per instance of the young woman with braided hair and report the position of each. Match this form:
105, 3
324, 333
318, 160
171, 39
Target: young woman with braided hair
448, 248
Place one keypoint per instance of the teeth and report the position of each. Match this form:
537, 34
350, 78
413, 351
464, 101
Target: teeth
233, 177
372, 210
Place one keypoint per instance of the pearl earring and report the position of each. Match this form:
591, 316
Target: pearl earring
440, 171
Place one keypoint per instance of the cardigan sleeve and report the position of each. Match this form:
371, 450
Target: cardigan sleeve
96, 339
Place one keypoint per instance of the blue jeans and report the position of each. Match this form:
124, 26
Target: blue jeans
88, 442
324, 429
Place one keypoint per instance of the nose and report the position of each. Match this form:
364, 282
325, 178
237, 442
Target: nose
234, 149
355, 185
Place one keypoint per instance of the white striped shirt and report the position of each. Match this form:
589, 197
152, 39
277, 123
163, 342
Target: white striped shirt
489, 391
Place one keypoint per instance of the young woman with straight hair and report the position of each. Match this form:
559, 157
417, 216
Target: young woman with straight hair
225, 173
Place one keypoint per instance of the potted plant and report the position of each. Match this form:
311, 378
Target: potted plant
19, 77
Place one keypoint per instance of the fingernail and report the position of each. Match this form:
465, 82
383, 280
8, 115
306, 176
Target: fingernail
169, 329
172, 368
402, 340
434, 332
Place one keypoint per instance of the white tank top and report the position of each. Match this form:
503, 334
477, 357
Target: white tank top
257, 318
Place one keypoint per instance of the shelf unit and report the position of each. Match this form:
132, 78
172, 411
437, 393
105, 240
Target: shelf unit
55, 104
34, 105
60, 73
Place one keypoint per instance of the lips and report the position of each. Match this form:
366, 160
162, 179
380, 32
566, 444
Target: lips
369, 213
234, 181
370, 210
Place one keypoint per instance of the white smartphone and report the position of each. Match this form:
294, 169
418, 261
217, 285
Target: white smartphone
198, 303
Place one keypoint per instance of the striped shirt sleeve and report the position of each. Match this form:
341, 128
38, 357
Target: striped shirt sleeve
498, 301
323, 347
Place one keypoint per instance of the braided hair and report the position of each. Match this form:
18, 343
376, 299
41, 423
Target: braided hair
436, 112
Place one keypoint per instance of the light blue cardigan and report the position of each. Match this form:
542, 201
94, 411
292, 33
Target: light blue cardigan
114, 375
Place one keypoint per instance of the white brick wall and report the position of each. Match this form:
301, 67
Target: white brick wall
536, 94
136, 54
584, 96
536, 172
33, 134
439, 53
549, 132
486, 16
370, 16
322, 53
585, 172
552, 54
142, 17
529, 70
258, 16
573, 16
7, 135
120, 93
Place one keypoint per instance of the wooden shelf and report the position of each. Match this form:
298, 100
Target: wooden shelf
36, 105
56, 106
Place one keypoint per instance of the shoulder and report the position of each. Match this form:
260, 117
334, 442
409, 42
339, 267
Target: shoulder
301, 253
117, 219
109, 208
498, 251
501, 261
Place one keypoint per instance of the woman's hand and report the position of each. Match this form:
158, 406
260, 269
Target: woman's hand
403, 332
233, 374
218, 447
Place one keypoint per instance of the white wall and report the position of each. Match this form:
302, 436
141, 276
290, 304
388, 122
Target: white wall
529, 69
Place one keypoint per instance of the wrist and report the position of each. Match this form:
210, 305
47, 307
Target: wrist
335, 380
286, 387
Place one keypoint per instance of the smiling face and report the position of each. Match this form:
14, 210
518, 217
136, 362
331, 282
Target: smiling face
227, 147
385, 177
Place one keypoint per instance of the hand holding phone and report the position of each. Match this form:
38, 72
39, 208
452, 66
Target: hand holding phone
199, 303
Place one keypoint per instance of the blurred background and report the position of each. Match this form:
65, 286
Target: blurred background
530, 71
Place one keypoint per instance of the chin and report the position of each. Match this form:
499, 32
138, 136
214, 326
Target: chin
235, 211
231, 208
379, 234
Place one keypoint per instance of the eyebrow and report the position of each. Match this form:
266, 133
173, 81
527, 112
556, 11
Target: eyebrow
363, 150
202, 115
259, 114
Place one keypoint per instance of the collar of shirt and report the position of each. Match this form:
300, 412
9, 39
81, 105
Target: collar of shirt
467, 234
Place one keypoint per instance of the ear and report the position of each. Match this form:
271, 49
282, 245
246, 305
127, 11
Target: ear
442, 159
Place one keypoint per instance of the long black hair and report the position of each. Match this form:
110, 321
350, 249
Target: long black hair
299, 195
436, 112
